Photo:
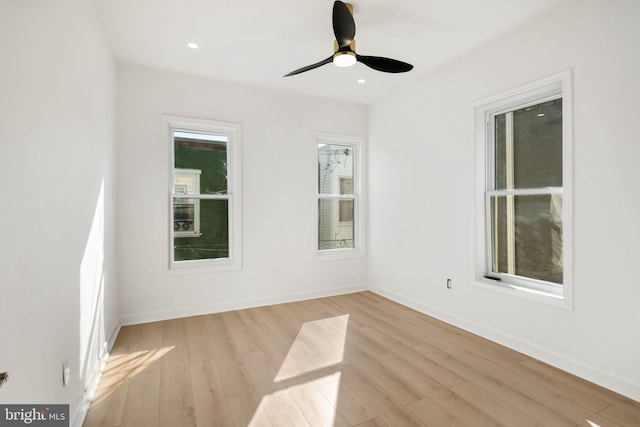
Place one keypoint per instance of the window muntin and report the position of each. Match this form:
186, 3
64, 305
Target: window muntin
337, 226
204, 200
524, 173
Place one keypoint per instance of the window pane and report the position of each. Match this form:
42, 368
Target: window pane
528, 147
212, 241
206, 153
332, 232
527, 236
335, 163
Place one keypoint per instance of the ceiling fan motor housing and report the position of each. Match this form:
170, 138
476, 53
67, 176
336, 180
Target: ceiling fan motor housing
344, 56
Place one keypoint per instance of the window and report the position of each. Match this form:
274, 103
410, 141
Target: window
204, 201
524, 197
337, 196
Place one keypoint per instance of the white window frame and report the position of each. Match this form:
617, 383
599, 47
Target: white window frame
552, 87
233, 133
358, 212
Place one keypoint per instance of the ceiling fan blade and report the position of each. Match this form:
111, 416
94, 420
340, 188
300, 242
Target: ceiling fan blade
344, 27
310, 67
386, 65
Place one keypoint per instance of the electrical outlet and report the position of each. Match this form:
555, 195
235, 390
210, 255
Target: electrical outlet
66, 373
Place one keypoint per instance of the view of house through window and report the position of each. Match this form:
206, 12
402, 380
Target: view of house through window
336, 197
186, 217
200, 196
346, 206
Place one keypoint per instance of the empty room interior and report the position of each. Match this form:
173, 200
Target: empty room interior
230, 214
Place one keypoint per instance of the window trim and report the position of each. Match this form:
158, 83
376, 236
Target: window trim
233, 132
358, 210
555, 86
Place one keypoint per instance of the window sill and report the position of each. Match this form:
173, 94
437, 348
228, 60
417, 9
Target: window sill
337, 254
181, 235
550, 298
202, 266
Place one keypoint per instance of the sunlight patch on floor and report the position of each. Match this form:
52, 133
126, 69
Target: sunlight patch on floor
310, 377
304, 404
319, 344
122, 367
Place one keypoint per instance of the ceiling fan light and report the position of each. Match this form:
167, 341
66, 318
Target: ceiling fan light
344, 59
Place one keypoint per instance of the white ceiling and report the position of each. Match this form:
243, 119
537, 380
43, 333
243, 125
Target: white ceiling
256, 42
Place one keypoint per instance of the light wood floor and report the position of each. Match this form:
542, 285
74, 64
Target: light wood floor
352, 360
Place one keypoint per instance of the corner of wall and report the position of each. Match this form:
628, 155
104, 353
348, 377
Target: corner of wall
84, 402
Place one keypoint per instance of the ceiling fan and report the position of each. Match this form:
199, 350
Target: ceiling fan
344, 28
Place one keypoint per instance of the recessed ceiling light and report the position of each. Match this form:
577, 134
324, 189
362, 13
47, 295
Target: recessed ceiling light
541, 115
192, 45
362, 81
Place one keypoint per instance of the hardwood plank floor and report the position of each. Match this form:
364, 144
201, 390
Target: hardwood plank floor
350, 360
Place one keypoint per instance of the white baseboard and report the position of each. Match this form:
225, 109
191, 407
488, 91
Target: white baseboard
82, 406
589, 373
136, 318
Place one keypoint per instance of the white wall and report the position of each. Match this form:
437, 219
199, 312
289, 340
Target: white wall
422, 158
279, 184
57, 264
